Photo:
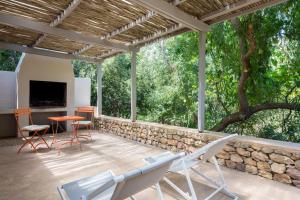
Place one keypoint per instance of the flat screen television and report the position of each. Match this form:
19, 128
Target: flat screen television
47, 94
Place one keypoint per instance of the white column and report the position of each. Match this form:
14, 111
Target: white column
133, 84
99, 93
201, 83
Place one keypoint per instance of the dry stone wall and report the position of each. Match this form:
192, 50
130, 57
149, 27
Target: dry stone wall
275, 160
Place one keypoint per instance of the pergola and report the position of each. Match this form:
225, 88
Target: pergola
93, 30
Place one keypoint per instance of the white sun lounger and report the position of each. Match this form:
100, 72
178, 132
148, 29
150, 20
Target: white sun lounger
107, 186
190, 161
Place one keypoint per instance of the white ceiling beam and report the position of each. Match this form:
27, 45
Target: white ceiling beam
170, 11
45, 52
251, 10
44, 28
132, 24
64, 14
126, 27
109, 54
227, 9
157, 35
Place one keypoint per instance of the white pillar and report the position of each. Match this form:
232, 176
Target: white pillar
99, 92
133, 84
201, 83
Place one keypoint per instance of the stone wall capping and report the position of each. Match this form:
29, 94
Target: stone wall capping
275, 160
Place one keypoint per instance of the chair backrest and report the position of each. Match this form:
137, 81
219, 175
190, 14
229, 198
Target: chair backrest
88, 110
210, 149
22, 112
142, 178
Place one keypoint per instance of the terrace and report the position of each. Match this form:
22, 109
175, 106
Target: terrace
36, 175
51, 33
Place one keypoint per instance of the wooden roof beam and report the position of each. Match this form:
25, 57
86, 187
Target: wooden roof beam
44, 28
170, 11
128, 26
45, 52
251, 10
64, 14
229, 8
132, 24
157, 35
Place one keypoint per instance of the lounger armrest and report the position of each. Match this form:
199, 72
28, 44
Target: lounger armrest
159, 157
62, 193
100, 189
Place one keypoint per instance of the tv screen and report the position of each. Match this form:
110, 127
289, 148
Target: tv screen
47, 94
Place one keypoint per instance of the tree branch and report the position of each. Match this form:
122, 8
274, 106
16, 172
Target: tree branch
237, 117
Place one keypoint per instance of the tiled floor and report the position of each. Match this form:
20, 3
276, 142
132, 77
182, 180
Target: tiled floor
36, 175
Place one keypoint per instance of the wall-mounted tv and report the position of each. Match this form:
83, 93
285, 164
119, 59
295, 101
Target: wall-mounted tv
47, 94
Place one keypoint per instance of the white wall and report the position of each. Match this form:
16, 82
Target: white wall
7, 91
42, 68
82, 92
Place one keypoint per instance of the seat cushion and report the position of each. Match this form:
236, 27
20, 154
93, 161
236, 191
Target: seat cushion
35, 127
83, 187
82, 123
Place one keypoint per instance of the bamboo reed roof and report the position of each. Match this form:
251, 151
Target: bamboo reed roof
106, 18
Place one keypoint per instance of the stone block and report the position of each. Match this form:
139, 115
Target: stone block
242, 145
229, 148
265, 174
296, 183
241, 167
230, 164
267, 150
296, 156
251, 169
256, 147
294, 173
221, 161
297, 164
249, 161
283, 152
281, 159
236, 158
278, 168
242, 152
223, 155
283, 178
259, 156
264, 166
172, 142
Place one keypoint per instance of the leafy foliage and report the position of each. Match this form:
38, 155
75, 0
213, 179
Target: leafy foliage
167, 80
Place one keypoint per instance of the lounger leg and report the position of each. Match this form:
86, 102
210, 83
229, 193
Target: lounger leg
225, 190
177, 189
189, 181
158, 189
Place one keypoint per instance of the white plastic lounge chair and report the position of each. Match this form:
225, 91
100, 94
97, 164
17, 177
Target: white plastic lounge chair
190, 161
107, 186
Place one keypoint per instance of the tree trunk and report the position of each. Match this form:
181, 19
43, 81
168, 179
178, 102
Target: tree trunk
246, 111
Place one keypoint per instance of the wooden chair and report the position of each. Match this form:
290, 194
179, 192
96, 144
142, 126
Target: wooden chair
36, 129
88, 124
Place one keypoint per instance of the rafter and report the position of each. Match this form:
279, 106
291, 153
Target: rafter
64, 14
128, 26
229, 8
248, 11
45, 52
170, 11
41, 27
132, 24
157, 35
